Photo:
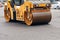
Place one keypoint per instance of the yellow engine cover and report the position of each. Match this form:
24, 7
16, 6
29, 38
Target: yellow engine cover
42, 5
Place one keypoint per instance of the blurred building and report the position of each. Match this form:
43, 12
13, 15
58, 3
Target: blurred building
50, 0
3, 0
54, 0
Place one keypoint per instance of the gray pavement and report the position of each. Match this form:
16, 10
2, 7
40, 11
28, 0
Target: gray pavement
20, 31
1, 11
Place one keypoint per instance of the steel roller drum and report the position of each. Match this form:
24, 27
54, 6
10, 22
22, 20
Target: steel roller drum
38, 18
41, 17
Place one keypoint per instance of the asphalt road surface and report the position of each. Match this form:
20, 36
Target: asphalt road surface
20, 31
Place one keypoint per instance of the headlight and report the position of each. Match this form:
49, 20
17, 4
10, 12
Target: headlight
5, 3
48, 5
36, 5
17, 6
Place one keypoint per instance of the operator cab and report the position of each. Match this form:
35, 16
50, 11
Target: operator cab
16, 2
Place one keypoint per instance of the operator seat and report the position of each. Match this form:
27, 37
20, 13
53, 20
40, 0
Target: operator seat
12, 3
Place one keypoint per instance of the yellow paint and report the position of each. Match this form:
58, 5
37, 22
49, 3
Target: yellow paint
42, 5
20, 11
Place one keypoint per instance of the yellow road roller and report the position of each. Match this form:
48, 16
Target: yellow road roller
28, 11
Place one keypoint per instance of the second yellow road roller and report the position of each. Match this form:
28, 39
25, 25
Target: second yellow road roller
28, 11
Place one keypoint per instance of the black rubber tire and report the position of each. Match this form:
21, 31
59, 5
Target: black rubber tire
7, 15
